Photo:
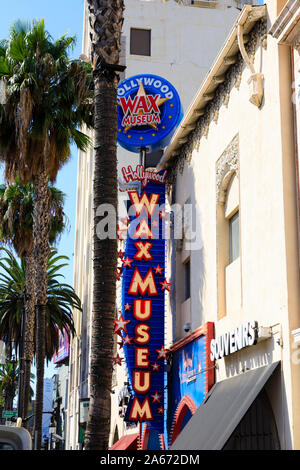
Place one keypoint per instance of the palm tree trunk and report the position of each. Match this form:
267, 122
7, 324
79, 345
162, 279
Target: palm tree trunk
106, 19
41, 218
105, 268
28, 331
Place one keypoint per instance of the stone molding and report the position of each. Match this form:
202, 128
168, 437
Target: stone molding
226, 166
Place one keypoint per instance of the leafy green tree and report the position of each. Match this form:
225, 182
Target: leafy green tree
106, 20
16, 225
47, 100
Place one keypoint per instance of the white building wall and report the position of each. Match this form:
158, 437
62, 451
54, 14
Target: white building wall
265, 282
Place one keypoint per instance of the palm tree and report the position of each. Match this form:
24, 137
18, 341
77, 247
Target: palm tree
61, 300
106, 19
47, 100
16, 225
9, 379
9, 373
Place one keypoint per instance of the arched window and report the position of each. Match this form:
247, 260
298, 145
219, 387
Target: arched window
228, 234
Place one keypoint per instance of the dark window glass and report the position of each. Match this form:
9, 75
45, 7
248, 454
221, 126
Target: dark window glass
140, 41
234, 237
187, 275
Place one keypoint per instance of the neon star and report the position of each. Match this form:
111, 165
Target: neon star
162, 352
121, 234
155, 367
161, 410
127, 306
127, 340
117, 360
125, 221
165, 285
156, 397
158, 269
163, 214
120, 324
127, 262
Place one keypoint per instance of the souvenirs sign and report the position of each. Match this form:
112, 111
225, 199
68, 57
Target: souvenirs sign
140, 323
149, 110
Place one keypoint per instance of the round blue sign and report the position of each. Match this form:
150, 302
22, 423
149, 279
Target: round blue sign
149, 110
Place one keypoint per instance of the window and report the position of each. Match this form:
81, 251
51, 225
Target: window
187, 280
140, 41
234, 237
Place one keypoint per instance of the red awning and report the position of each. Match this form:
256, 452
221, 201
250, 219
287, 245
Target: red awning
126, 443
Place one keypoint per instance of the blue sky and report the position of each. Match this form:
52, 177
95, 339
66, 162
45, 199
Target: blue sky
61, 16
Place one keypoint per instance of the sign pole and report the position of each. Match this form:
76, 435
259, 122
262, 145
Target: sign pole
143, 153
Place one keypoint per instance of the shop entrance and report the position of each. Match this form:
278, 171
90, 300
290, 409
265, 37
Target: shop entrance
257, 430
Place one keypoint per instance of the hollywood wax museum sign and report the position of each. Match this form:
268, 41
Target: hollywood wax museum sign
140, 324
149, 110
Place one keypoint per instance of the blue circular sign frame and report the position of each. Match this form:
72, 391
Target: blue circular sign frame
133, 96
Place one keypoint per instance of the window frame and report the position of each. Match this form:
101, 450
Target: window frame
132, 29
232, 255
187, 279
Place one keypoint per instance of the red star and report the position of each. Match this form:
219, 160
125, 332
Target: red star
127, 340
156, 397
162, 352
155, 366
125, 221
158, 269
160, 410
120, 324
127, 306
118, 360
163, 214
127, 262
121, 234
165, 285
121, 254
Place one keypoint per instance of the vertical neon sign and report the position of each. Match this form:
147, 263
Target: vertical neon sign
141, 321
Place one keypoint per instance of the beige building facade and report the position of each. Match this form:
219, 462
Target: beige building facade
179, 40
234, 159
